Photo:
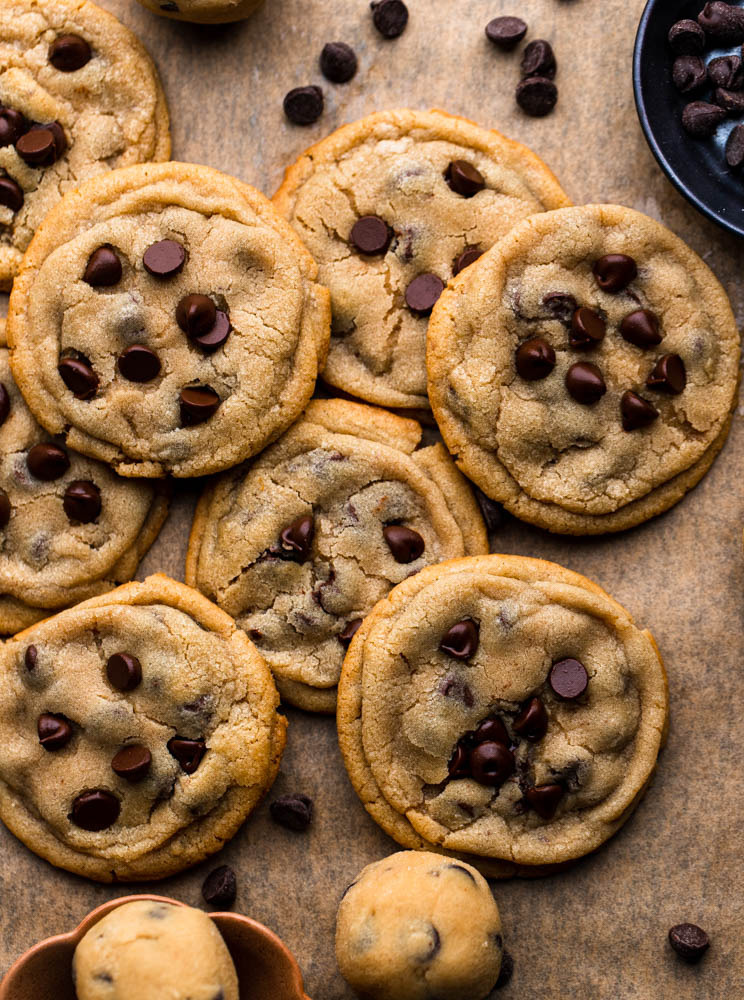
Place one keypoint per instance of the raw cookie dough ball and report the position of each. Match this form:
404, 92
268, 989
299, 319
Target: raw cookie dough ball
203, 11
148, 950
417, 925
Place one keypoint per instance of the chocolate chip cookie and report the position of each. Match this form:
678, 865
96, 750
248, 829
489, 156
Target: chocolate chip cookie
70, 527
166, 320
299, 546
78, 96
584, 372
140, 732
203, 11
392, 207
504, 708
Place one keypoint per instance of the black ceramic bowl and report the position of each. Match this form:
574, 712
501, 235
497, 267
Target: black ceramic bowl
697, 168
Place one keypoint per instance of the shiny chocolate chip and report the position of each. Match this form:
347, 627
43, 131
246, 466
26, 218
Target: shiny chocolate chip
535, 359
195, 314
423, 293
54, 731
132, 762
469, 256
11, 194
37, 147
636, 411
405, 544
103, 268
188, 753
4, 404
124, 671
297, 538
491, 764
585, 383
587, 328
544, 799
641, 328
164, 258
568, 679
79, 377
220, 887
12, 126
538, 59
689, 941
138, 363
292, 811
464, 179
370, 235
82, 501
95, 810
5, 508
47, 462
68, 53
461, 640
614, 272
668, 375
459, 765
198, 403
349, 631
492, 730
216, 336
532, 721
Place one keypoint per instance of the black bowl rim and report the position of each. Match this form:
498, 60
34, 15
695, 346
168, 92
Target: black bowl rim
703, 207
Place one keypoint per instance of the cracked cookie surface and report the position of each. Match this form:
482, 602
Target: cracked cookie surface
585, 370
142, 731
300, 545
73, 64
79, 531
203, 11
438, 190
463, 727
167, 320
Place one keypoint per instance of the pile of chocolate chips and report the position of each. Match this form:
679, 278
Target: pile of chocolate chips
537, 93
718, 86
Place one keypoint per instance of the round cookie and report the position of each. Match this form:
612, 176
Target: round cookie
203, 11
140, 732
151, 949
166, 320
503, 708
390, 207
585, 370
300, 545
70, 527
415, 926
78, 96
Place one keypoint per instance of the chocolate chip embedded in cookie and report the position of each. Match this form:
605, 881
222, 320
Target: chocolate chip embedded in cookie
391, 207
78, 96
584, 371
299, 545
141, 731
167, 321
530, 753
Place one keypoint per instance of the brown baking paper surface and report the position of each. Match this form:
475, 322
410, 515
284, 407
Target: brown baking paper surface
599, 930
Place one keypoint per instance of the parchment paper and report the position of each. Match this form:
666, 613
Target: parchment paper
599, 930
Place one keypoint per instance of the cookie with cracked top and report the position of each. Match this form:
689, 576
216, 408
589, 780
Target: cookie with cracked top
300, 544
585, 370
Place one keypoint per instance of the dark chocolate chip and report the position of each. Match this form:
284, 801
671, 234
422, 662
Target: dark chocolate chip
216, 337
405, 544
722, 23
47, 462
585, 383
11, 194
701, 119
532, 721
464, 179
220, 887
188, 753
686, 38
195, 314
568, 679
614, 272
69, 53
636, 411
297, 538
735, 147
304, 105
37, 147
138, 363
689, 73
731, 101
79, 377
587, 328
60, 142
469, 256
668, 375
124, 671
506, 971
493, 513
544, 799
103, 268
423, 293
338, 62
371, 235
689, 941
535, 359
95, 810
641, 328
293, 811
390, 17
198, 403
726, 72
538, 59
537, 96
561, 305
4, 404
459, 765
132, 762
349, 631
506, 32
12, 126
82, 501
460, 868
5, 508
164, 259
31, 658
54, 731
492, 730
491, 764
461, 640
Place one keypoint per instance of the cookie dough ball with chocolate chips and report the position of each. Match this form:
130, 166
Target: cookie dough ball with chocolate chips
203, 11
150, 949
417, 926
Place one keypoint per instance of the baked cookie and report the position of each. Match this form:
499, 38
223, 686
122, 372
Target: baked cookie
391, 207
166, 320
140, 730
584, 371
70, 527
416, 926
151, 949
300, 545
203, 11
503, 708
78, 96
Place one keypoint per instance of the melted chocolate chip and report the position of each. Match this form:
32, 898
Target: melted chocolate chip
138, 363
47, 462
492, 730
82, 501
124, 671
568, 679
297, 538
188, 753
405, 544
636, 411
614, 272
103, 268
54, 731
641, 328
544, 799
31, 658
95, 810
11, 194
535, 359
561, 305
349, 631
587, 328
585, 383
689, 941
132, 763
5, 508
68, 53
532, 721
220, 887
292, 811
461, 640
469, 256
423, 293
371, 235
164, 258
491, 764
79, 377
198, 403
668, 375
4, 404
464, 179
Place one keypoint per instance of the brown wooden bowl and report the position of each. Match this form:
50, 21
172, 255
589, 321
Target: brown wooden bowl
266, 968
